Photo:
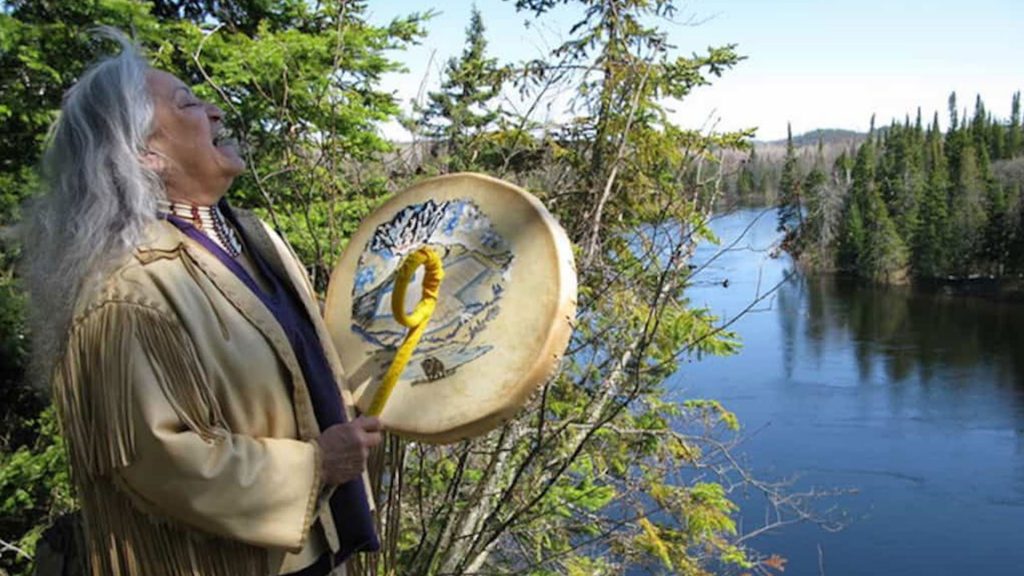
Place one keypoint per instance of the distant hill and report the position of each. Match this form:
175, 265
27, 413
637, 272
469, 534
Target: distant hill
834, 141
826, 135
765, 166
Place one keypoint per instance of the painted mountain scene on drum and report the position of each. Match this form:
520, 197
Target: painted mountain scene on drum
477, 263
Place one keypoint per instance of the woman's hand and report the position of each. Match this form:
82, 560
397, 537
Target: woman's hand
345, 447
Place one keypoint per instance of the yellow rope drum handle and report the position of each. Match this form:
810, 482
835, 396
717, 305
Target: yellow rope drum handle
416, 322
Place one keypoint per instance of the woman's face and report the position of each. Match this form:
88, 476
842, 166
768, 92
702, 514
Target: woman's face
185, 149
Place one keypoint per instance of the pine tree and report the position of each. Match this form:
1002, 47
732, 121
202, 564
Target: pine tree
997, 134
816, 232
931, 242
854, 236
892, 158
790, 210
955, 142
746, 184
902, 178
954, 124
842, 168
886, 256
872, 245
979, 125
967, 211
459, 115
851, 238
1014, 144
998, 234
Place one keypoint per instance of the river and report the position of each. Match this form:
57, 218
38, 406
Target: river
914, 401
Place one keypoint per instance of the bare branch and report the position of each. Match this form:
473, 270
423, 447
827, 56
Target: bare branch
9, 547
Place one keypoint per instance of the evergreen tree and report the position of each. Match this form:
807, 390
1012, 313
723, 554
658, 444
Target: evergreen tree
903, 178
995, 138
999, 229
746, 184
854, 235
1014, 144
43, 49
954, 123
892, 157
851, 239
815, 235
461, 112
955, 142
979, 125
870, 245
842, 168
967, 211
790, 210
931, 242
886, 256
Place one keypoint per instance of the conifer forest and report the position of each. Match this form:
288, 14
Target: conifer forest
908, 201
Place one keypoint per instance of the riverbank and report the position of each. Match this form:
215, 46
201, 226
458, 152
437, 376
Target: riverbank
1003, 289
999, 289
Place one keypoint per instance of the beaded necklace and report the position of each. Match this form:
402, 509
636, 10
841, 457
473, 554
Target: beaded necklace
208, 219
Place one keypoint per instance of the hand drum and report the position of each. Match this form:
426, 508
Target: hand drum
503, 316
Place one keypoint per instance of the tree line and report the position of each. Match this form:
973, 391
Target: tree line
913, 202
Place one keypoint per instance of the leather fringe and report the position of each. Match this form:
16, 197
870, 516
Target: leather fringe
93, 390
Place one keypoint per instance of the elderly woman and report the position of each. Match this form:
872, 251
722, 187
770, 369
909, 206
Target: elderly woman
196, 384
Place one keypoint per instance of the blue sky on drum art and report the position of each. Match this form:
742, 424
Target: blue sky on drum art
816, 63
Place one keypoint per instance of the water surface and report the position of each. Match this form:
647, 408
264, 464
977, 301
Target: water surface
914, 399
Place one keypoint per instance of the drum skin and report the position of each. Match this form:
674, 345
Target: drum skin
503, 319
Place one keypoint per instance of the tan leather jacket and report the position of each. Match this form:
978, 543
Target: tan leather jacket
188, 420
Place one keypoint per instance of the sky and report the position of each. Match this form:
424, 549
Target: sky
812, 63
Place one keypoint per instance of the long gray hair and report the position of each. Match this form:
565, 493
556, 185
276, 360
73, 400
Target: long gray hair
98, 199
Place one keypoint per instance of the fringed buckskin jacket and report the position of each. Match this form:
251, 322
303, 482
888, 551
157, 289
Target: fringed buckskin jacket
188, 422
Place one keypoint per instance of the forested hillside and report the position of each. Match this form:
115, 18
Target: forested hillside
906, 201
912, 202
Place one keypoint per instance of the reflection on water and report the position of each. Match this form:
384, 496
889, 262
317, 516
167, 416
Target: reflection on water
913, 398
911, 335
919, 334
